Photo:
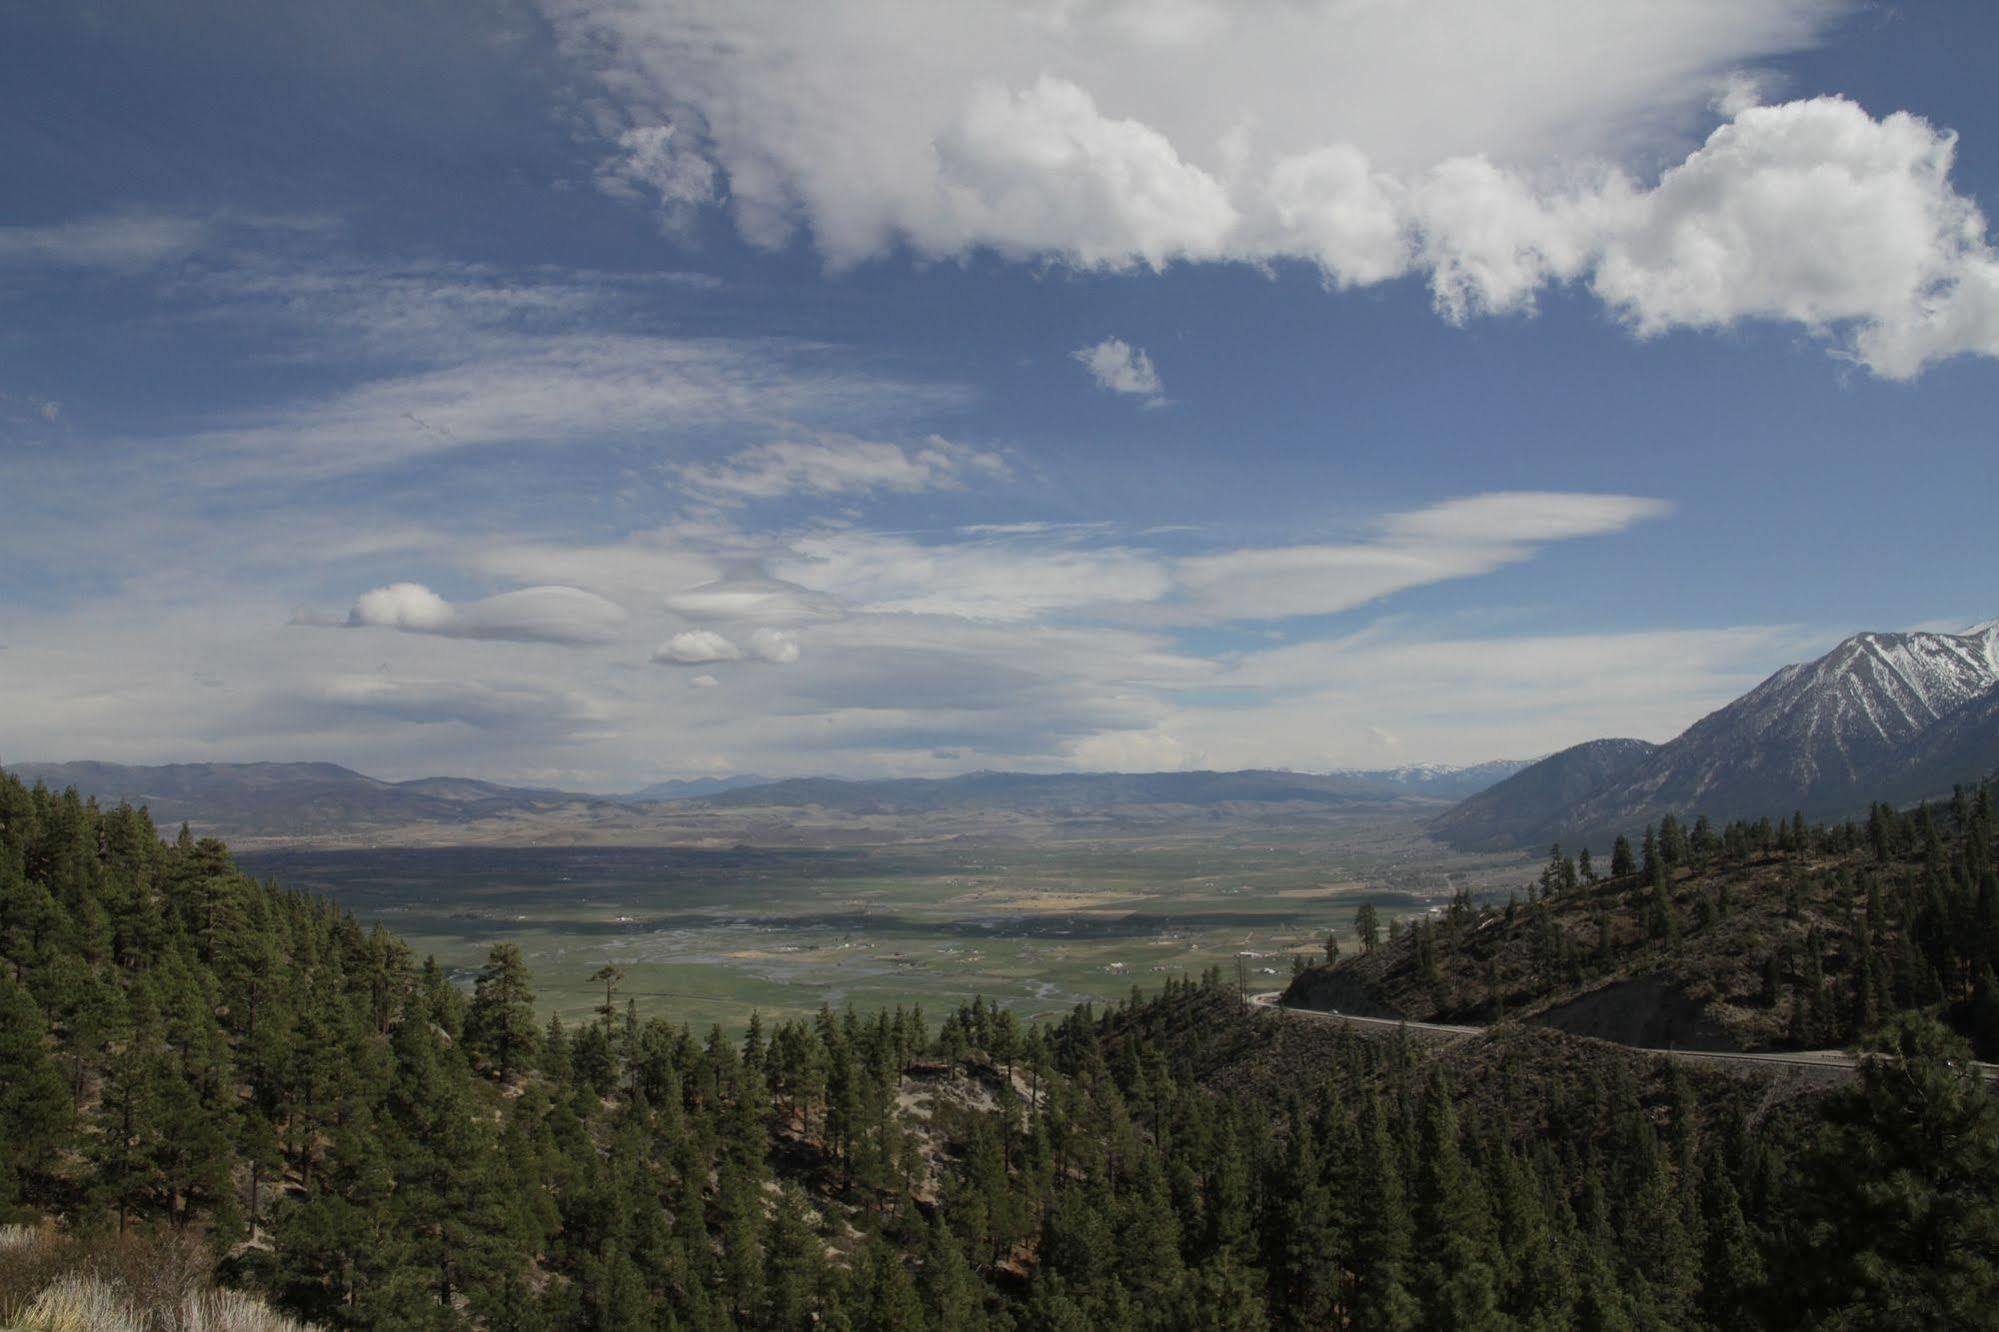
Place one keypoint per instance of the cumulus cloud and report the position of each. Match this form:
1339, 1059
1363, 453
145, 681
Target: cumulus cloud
839, 465
1122, 368
528, 615
1814, 213
774, 646
706, 647
1489, 150
696, 647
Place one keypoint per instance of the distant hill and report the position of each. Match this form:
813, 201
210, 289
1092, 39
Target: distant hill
1435, 780
1057, 792
1517, 811
687, 788
1902, 715
295, 799
325, 804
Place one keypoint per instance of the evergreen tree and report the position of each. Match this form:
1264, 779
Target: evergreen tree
1902, 1204
500, 1023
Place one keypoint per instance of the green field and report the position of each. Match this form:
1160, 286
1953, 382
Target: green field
709, 935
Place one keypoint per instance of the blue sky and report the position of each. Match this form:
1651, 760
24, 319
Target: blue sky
588, 393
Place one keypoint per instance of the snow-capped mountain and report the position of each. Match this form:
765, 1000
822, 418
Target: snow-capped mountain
1443, 781
1881, 716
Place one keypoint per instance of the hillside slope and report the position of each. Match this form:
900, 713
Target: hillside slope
1766, 936
1516, 811
278, 800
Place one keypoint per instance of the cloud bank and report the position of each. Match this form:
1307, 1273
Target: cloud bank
1489, 151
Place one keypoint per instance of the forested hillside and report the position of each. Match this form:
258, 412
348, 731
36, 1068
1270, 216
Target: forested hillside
1757, 935
192, 1057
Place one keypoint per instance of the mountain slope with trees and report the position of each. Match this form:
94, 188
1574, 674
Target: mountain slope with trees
192, 1057
1765, 935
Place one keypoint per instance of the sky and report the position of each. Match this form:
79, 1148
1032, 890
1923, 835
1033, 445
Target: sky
589, 392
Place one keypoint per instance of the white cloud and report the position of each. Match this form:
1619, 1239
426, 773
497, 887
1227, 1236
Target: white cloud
1041, 168
120, 242
696, 647
993, 579
703, 682
487, 705
747, 599
554, 390
706, 647
1456, 539
529, 615
838, 465
631, 571
657, 158
774, 646
1451, 699
1512, 517
1122, 368
1491, 149
1815, 213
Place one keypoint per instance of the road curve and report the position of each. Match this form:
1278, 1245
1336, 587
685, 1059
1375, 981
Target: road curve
1835, 1061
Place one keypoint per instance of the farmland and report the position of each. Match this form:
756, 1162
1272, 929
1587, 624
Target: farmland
709, 934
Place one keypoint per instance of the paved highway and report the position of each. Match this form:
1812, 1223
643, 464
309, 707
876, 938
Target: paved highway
1837, 1063
1833, 1061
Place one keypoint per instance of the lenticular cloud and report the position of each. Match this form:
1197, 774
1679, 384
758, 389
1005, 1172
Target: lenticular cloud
567, 615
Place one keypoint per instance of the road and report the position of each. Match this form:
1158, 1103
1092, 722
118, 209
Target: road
1832, 1061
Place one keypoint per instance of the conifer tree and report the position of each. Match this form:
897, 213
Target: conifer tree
500, 1023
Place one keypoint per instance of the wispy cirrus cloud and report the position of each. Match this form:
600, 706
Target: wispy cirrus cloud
550, 392
835, 464
117, 242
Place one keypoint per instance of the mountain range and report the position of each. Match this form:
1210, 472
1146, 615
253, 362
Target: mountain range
1894, 716
279, 803
1883, 716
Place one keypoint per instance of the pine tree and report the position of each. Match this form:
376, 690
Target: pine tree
1903, 1197
34, 1102
500, 1024
1367, 926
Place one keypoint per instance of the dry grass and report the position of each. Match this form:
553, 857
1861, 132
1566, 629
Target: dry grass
51, 1282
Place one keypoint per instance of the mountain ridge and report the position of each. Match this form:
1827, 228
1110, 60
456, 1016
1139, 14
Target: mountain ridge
291, 803
1905, 715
